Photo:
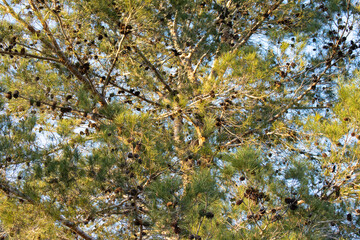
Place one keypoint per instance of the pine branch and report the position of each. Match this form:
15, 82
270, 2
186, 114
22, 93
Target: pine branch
132, 93
283, 109
197, 129
62, 58
174, 34
107, 80
51, 59
60, 23
153, 68
199, 62
247, 36
256, 25
10, 190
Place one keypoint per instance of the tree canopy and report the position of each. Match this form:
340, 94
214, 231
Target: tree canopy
175, 119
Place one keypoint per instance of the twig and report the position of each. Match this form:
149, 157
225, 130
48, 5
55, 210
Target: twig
115, 60
199, 62
256, 25
155, 70
138, 96
31, 56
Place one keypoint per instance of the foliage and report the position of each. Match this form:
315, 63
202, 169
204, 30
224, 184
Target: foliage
173, 119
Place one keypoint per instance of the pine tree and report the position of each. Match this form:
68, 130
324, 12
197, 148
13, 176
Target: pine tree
171, 119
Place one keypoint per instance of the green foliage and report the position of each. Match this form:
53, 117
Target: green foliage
18, 220
245, 158
177, 119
